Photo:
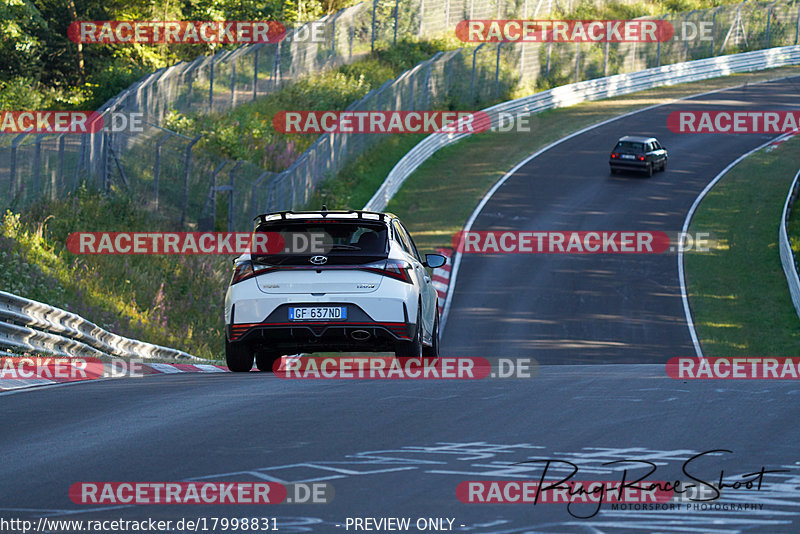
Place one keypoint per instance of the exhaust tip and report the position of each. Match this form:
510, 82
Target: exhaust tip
360, 335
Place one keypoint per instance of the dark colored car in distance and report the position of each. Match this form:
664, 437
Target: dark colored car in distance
636, 153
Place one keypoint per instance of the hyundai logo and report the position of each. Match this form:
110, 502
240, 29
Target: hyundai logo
318, 260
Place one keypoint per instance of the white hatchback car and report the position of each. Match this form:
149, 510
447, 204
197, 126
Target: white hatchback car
345, 281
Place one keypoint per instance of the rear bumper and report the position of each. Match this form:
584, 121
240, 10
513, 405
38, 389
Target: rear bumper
631, 165
359, 332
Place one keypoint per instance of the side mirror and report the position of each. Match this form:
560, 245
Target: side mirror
434, 260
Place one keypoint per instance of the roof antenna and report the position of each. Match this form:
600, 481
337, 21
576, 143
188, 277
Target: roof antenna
324, 210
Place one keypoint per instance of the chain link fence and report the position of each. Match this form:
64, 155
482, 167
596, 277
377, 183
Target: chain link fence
199, 190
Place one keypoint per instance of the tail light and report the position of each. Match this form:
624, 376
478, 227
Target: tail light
242, 271
613, 155
641, 158
397, 269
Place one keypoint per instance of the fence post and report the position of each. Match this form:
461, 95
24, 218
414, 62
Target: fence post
157, 169
769, 22
472, 84
105, 152
81, 158
233, 83
230, 194
421, 16
333, 36
61, 140
276, 67
351, 33
37, 164
686, 41
396, 16
522, 45
13, 167
187, 162
255, 70
255, 208
797, 27
211, 85
714, 30
497, 70
372, 38
549, 51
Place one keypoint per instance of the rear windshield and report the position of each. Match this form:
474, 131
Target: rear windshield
630, 146
342, 242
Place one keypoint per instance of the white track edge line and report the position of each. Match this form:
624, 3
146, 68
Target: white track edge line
681, 275
501, 181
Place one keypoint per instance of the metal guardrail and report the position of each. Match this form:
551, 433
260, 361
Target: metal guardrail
568, 95
30, 325
788, 260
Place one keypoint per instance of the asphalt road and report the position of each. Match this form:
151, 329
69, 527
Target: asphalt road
399, 449
609, 308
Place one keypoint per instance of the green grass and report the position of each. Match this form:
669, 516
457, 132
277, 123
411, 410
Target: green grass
436, 200
738, 291
246, 132
174, 301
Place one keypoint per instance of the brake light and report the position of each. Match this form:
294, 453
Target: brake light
242, 271
399, 270
613, 155
641, 158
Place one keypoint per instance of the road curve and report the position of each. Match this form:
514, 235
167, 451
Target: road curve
610, 308
399, 449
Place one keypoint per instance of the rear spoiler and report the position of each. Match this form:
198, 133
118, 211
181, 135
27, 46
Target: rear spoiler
283, 215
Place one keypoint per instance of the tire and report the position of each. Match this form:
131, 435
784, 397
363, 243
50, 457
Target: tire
265, 360
664, 166
612, 171
238, 356
433, 350
412, 349
649, 170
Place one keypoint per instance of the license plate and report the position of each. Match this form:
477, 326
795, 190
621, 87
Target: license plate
318, 313
628, 156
